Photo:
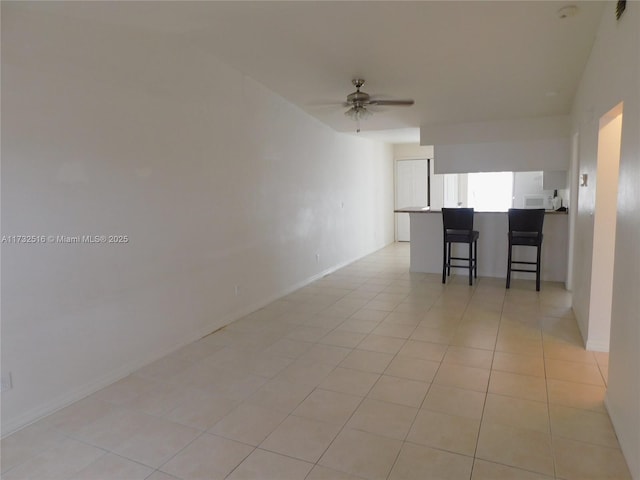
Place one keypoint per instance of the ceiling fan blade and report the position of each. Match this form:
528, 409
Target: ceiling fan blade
324, 104
392, 102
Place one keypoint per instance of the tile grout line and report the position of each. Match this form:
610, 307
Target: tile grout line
546, 387
404, 440
484, 404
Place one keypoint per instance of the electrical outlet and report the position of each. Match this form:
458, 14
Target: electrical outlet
5, 382
237, 290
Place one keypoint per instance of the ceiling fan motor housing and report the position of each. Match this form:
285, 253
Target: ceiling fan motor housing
358, 98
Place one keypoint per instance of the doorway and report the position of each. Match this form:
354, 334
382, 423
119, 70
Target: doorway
412, 190
604, 229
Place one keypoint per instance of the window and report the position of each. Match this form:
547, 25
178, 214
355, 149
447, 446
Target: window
490, 192
497, 191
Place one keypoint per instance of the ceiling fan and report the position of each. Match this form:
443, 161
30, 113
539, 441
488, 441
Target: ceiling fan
358, 102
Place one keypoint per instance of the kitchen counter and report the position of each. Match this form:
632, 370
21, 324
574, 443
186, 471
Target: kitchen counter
426, 244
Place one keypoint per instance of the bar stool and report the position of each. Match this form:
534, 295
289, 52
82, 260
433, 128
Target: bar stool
457, 226
525, 228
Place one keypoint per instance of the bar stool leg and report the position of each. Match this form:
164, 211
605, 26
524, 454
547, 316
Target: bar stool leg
539, 248
449, 261
475, 259
444, 261
470, 263
509, 265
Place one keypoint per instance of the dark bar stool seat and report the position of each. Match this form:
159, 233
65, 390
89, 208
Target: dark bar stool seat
525, 228
457, 226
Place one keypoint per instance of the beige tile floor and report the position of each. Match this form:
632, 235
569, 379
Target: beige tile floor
371, 372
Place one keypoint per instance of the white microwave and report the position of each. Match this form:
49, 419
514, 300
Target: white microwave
534, 201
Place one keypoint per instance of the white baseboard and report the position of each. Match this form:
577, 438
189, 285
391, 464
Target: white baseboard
58, 403
597, 346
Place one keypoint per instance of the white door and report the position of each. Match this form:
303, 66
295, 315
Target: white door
411, 191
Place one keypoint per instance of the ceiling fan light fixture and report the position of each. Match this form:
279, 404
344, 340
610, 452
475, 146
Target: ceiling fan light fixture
357, 113
567, 11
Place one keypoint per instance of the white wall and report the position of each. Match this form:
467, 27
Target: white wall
499, 146
513, 156
407, 151
612, 75
216, 181
496, 131
525, 183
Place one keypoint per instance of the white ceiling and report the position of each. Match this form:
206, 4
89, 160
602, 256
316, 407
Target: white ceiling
461, 61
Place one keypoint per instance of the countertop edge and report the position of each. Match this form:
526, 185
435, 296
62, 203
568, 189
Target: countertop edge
428, 210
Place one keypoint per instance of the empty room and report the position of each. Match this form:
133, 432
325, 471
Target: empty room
320, 240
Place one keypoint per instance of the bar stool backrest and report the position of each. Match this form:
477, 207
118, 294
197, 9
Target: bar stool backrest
457, 218
528, 220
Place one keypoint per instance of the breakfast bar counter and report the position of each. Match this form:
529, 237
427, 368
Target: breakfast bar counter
426, 243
